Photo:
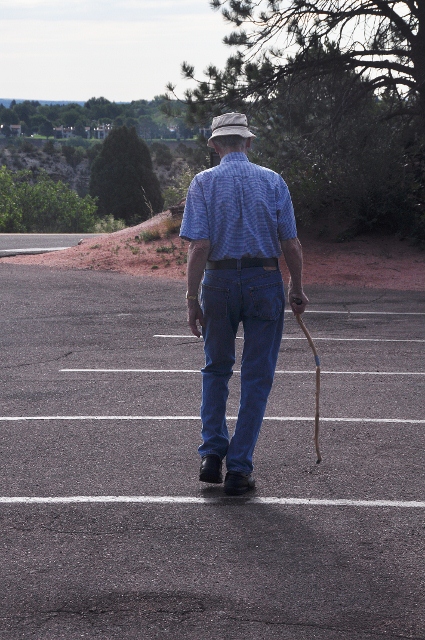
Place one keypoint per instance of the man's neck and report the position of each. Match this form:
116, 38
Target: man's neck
225, 152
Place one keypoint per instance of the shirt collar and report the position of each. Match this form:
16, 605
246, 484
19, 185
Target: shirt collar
235, 156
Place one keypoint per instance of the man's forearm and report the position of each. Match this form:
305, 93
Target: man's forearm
197, 257
293, 254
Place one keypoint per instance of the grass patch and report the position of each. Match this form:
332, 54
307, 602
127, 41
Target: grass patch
172, 225
150, 236
109, 225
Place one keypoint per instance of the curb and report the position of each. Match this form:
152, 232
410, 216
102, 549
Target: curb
8, 253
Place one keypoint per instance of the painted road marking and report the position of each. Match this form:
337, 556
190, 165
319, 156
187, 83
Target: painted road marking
200, 341
285, 371
9, 253
370, 313
28, 500
178, 418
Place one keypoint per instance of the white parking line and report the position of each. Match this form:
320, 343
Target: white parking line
348, 312
189, 418
129, 370
369, 313
285, 371
28, 500
195, 340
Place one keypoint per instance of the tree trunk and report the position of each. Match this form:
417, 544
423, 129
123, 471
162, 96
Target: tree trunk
418, 59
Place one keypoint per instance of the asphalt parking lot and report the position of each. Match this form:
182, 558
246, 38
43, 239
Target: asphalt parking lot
106, 531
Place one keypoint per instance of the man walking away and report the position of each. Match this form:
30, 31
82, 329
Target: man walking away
238, 219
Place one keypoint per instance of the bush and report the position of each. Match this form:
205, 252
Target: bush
73, 155
150, 236
162, 154
109, 225
172, 225
78, 141
175, 194
43, 206
49, 148
93, 151
10, 212
29, 148
196, 157
359, 175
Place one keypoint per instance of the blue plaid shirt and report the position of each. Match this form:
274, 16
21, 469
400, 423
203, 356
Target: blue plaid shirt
242, 208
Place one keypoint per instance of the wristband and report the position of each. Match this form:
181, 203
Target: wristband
188, 297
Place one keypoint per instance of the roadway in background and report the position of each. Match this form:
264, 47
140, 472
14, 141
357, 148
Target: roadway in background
18, 243
178, 559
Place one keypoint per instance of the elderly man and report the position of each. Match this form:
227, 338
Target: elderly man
238, 218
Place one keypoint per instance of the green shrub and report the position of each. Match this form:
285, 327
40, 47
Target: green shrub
43, 206
108, 225
197, 158
162, 154
10, 212
29, 148
78, 141
49, 148
175, 194
73, 155
93, 151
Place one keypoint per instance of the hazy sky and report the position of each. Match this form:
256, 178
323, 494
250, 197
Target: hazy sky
121, 49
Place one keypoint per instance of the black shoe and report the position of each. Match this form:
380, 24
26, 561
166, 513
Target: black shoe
210, 470
238, 483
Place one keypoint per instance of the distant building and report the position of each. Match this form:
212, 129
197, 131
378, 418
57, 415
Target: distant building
58, 132
68, 132
15, 129
102, 131
63, 132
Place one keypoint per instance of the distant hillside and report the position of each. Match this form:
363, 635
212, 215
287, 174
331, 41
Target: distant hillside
174, 164
6, 102
154, 119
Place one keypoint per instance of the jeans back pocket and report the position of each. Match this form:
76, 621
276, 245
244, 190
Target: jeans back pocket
214, 301
266, 301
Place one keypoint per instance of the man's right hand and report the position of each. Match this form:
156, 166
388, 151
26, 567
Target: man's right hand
195, 317
298, 301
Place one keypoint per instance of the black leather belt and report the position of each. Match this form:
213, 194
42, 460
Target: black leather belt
245, 263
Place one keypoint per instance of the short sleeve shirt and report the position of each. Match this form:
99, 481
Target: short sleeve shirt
244, 210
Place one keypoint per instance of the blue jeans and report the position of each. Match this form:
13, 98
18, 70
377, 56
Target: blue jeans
255, 297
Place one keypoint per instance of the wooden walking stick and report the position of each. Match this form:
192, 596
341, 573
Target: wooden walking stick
317, 360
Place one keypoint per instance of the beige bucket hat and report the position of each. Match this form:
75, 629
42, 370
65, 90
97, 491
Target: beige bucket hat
230, 124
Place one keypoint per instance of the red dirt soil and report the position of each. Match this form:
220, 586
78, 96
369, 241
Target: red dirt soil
366, 261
